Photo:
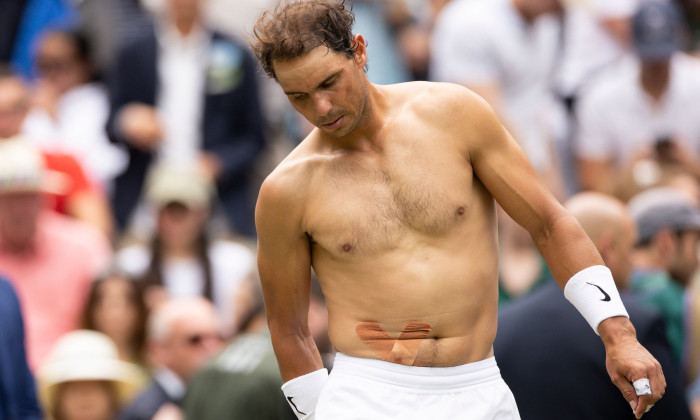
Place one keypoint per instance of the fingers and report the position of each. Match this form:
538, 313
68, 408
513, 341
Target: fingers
657, 383
627, 390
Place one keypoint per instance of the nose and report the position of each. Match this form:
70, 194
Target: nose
322, 104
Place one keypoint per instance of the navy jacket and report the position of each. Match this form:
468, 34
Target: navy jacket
555, 363
232, 123
17, 389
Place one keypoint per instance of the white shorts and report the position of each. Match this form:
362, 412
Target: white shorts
366, 389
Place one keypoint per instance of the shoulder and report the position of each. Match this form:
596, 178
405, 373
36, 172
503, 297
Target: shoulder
452, 109
429, 99
288, 182
146, 404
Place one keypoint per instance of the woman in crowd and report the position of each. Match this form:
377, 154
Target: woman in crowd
115, 307
182, 260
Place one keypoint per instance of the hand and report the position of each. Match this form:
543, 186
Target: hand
140, 126
210, 164
169, 411
627, 361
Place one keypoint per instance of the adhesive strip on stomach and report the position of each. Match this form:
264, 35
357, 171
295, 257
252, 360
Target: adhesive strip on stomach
401, 350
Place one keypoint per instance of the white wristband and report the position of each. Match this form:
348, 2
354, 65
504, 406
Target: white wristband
592, 291
302, 393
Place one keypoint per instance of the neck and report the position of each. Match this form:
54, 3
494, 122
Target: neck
654, 78
178, 250
647, 259
185, 25
523, 10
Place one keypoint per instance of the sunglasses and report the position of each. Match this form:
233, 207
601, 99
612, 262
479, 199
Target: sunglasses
196, 340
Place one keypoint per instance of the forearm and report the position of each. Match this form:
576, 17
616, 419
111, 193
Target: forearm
565, 247
296, 353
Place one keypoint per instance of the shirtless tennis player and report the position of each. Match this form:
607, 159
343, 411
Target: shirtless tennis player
391, 200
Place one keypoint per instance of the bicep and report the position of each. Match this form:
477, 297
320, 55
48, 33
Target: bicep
503, 168
284, 263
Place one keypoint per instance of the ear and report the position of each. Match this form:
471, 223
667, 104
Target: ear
605, 245
665, 242
358, 41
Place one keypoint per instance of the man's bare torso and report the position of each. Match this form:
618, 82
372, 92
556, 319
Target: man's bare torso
402, 233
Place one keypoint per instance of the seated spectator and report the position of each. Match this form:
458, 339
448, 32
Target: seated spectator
17, 389
185, 94
183, 335
115, 307
665, 256
50, 259
243, 382
72, 193
83, 379
182, 260
70, 108
638, 120
556, 375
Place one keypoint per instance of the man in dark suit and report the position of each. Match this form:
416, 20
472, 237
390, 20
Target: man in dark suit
183, 92
17, 390
547, 354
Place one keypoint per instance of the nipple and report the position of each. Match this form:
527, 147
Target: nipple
347, 247
460, 210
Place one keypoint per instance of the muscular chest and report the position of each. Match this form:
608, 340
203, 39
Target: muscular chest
368, 205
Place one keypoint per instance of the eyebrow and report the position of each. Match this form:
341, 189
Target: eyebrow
326, 80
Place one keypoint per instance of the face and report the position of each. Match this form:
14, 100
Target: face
115, 310
14, 105
19, 213
329, 89
192, 341
685, 260
179, 225
58, 63
184, 9
85, 400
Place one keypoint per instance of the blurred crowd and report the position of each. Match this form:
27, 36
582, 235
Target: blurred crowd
134, 135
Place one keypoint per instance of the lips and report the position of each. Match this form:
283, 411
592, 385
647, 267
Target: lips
333, 123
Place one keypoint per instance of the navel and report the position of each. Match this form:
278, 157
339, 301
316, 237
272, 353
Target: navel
460, 210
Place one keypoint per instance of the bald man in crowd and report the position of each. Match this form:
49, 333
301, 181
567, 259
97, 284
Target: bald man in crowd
549, 357
183, 334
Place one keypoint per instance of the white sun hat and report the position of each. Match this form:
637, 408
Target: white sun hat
84, 355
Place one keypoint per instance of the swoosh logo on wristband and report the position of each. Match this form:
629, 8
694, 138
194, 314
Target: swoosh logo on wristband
295, 406
606, 297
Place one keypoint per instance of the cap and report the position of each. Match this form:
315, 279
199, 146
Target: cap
657, 30
84, 355
186, 184
660, 208
21, 167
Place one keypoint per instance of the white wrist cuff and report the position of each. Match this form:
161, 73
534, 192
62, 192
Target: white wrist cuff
592, 291
302, 393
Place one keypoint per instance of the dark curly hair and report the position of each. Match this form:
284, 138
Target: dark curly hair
298, 26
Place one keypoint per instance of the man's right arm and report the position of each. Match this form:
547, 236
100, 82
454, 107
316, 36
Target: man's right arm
284, 262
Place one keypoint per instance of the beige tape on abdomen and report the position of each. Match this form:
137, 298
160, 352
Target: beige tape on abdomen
401, 350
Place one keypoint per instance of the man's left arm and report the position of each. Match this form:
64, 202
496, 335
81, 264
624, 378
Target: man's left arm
503, 168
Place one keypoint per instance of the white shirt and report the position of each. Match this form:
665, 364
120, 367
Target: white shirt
79, 129
618, 118
231, 264
182, 63
589, 47
487, 42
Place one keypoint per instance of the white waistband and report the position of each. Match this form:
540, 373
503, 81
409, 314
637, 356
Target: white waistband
417, 376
